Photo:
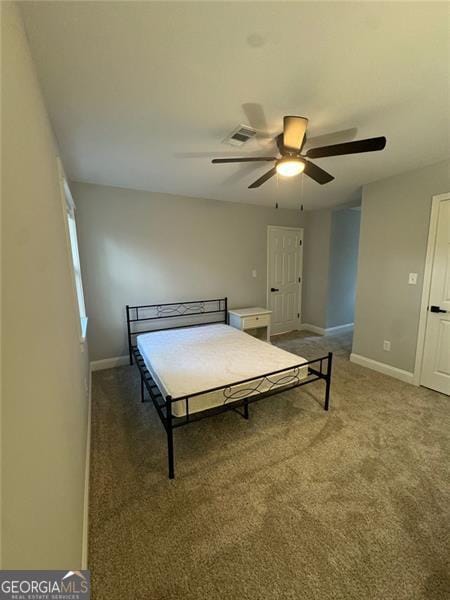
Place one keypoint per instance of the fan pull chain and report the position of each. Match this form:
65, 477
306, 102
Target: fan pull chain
302, 180
278, 184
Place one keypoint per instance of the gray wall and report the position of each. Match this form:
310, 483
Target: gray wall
344, 242
330, 260
44, 371
138, 247
394, 231
316, 261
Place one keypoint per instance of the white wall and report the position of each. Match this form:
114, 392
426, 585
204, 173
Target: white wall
44, 403
393, 242
142, 247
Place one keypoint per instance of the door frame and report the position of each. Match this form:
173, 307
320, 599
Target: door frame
432, 232
299, 283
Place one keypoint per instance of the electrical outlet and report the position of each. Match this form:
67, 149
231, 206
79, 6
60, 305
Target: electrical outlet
387, 345
412, 279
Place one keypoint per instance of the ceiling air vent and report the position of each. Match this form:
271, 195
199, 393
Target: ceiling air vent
240, 135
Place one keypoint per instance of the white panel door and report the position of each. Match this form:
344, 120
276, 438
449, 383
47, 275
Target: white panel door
436, 357
284, 277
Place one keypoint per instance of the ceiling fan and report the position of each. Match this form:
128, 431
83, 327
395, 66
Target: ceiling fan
293, 162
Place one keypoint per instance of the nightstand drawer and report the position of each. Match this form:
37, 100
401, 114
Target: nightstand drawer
256, 321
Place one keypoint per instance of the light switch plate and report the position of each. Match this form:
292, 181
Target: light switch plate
254, 273
412, 279
387, 345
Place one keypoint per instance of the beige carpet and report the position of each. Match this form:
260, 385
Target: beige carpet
293, 504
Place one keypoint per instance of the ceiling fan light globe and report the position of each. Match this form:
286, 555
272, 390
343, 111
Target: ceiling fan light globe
290, 167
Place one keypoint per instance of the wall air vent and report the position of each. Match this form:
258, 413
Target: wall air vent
240, 136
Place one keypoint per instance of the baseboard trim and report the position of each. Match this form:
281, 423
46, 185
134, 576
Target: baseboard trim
328, 330
87, 469
340, 328
363, 361
109, 363
312, 328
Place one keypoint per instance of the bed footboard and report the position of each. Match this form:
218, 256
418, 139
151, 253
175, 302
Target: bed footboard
237, 395
317, 369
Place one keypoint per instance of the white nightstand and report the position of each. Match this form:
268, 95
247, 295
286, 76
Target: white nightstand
253, 320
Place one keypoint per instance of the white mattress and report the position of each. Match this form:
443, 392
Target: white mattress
194, 359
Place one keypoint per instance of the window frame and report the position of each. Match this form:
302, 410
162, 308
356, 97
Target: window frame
73, 254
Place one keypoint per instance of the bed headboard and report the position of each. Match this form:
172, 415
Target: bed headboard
173, 315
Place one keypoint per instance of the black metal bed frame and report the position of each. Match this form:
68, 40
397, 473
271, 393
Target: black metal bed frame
233, 400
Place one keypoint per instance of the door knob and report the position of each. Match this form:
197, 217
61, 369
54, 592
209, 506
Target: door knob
437, 309
274, 290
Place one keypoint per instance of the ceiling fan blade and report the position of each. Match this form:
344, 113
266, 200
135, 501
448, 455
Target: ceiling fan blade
317, 173
294, 129
263, 179
256, 118
327, 139
245, 172
242, 160
369, 145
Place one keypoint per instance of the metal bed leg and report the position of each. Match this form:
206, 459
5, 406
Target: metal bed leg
142, 389
245, 410
169, 429
328, 380
130, 351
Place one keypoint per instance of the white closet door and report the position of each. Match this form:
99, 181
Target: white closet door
436, 358
284, 277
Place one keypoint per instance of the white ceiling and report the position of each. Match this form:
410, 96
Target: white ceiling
141, 94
